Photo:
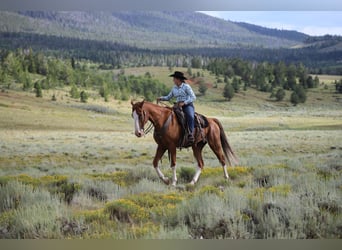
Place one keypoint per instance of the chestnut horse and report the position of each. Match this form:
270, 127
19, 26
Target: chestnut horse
167, 132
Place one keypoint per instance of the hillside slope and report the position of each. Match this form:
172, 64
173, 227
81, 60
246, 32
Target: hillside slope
145, 29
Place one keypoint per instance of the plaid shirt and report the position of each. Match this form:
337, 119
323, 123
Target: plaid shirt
183, 93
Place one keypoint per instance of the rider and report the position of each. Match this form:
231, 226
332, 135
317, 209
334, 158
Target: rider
185, 98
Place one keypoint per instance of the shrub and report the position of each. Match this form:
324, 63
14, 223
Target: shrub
29, 212
280, 95
38, 89
55, 184
74, 92
202, 87
209, 216
143, 207
210, 190
228, 91
186, 173
298, 95
84, 96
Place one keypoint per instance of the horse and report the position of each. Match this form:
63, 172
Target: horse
167, 133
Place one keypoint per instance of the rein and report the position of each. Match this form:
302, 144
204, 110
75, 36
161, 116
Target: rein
166, 124
149, 128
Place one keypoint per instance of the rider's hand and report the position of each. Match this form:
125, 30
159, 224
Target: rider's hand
180, 104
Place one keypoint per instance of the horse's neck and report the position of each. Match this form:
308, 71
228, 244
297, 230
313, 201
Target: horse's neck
158, 115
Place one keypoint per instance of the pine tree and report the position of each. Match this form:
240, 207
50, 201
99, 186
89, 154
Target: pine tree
228, 91
298, 95
84, 96
236, 84
38, 89
202, 88
74, 92
280, 94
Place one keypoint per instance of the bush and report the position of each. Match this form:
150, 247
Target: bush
84, 96
228, 91
28, 212
210, 217
280, 95
38, 89
338, 86
202, 88
186, 173
298, 95
74, 92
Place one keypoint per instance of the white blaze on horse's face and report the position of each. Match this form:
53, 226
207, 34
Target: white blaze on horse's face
138, 131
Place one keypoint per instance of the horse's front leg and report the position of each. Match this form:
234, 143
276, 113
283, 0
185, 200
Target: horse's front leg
160, 152
173, 152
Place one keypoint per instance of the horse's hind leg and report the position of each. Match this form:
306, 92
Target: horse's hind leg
160, 152
215, 145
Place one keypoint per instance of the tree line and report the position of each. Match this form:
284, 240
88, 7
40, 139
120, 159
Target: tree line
117, 55
274, 78
35, 71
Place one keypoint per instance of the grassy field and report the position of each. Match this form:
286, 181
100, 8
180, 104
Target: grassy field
73, 170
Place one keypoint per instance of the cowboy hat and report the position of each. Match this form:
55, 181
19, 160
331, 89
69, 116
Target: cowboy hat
178, 75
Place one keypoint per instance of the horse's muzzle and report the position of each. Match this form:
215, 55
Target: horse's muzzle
139, 133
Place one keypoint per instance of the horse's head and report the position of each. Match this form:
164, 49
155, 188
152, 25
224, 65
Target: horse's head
140, 117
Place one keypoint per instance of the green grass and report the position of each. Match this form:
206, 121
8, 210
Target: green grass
287, 183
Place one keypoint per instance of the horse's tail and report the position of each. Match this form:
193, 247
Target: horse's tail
227, 149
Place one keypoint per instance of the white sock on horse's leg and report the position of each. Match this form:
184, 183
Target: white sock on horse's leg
196, 176
160, 174
226, 176
174, 176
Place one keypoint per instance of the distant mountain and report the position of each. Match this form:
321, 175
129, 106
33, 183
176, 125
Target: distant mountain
149, 29
285, 34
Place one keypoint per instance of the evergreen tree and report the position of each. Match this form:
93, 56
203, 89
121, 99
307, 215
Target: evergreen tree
196, 63
316, 82
84, 96
279, 74
280, 94
310, 82
104, 92
338, 86
27, 83
38, 89
236, 84
228, 91
202, 87
291, 77
74, 92
294, 98
298, 95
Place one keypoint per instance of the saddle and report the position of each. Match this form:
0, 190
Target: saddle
200, 122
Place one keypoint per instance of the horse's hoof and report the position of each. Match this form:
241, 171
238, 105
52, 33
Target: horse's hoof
192, 183
166, 181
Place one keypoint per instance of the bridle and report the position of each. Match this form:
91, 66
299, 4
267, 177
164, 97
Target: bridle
143, 119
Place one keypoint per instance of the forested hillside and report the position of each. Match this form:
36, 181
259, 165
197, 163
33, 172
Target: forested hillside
143, 29
154, 38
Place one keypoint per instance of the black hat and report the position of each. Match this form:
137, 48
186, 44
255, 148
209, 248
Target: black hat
178, 75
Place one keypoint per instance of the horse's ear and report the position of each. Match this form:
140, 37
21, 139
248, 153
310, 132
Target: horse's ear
132, 103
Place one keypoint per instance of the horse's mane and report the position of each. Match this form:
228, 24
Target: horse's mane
165, 106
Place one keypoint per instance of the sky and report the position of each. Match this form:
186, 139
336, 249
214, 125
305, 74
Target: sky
315, 23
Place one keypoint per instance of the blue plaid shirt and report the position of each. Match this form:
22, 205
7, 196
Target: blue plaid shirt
183, 93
